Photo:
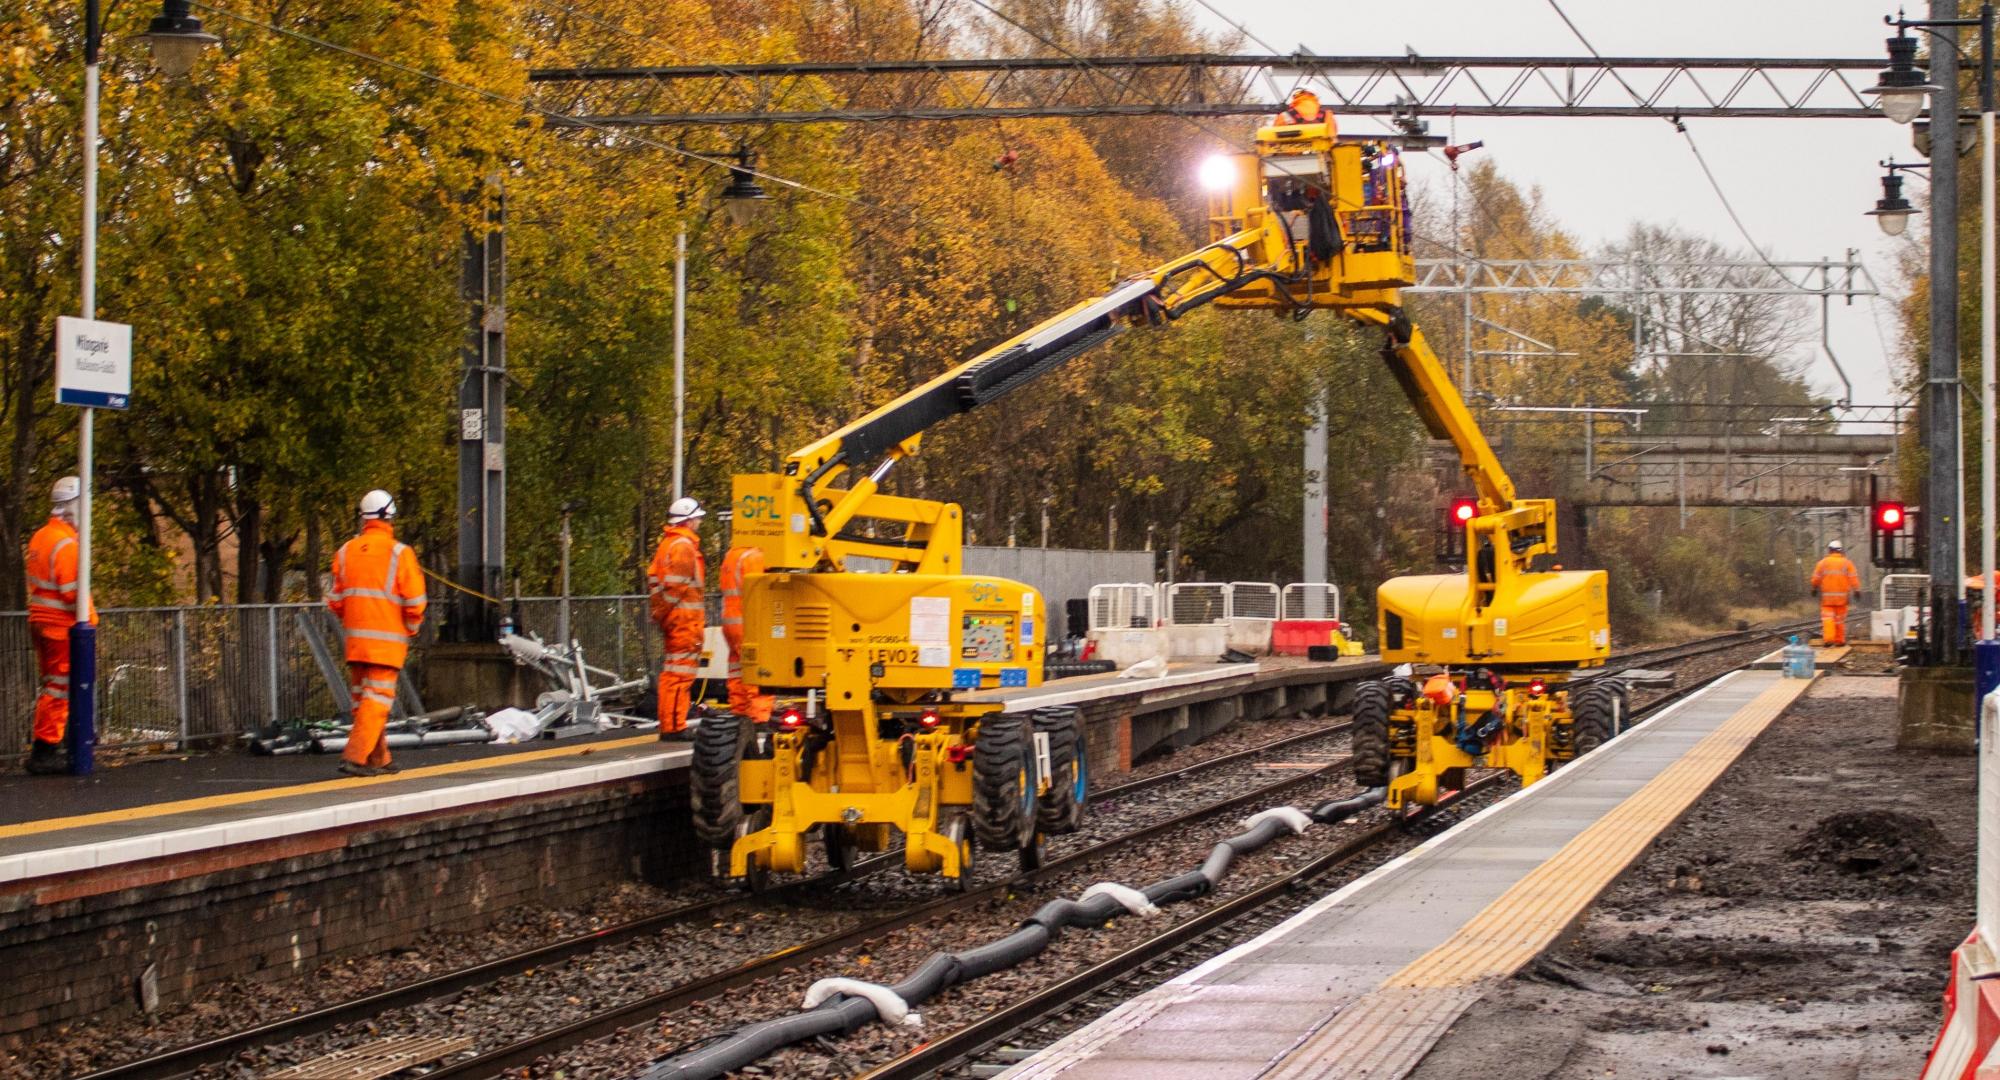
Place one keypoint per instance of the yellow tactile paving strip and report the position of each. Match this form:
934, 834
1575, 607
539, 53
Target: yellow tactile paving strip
1386, 1033
318, 787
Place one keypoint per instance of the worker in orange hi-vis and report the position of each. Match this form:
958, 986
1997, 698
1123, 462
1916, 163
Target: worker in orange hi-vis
378, 596
51, 572
1836, 578
1301, 108
742, 561
674, 586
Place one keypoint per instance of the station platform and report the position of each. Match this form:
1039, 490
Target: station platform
1364, 982
148, 808
187, 870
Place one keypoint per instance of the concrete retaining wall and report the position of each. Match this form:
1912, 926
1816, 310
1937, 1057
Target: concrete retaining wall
83, 942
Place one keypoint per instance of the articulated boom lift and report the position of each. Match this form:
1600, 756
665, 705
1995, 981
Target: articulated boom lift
903, 726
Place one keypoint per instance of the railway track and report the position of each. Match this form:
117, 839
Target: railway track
1010, 1034
185, 1060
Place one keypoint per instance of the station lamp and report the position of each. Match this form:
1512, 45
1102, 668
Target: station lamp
1901, 88
744, 196
176, 38
1892, 211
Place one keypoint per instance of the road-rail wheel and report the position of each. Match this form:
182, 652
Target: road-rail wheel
1003, 783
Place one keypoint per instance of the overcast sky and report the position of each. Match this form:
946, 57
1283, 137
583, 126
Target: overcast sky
1801, 186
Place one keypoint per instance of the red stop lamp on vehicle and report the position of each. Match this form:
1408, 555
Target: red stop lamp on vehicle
1537, 688
1889, 516
791, 719
1464, 510
929, 719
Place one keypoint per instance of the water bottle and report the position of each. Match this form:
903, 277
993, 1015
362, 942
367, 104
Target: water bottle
1798, 659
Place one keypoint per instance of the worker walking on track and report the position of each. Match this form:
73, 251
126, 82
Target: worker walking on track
51, 573
378, 596
1836, 579
674, 585
739, 563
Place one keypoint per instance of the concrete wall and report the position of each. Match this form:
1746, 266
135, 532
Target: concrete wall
277, 910
1060, 573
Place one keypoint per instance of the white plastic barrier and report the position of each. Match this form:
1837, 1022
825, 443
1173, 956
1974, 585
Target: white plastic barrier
1203, 641
1129, 646
1310, 600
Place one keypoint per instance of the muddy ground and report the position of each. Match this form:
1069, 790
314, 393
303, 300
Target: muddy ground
1798, 923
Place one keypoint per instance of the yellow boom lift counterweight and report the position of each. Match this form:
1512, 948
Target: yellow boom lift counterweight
895, 735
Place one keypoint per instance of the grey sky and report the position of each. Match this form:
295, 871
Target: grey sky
1801, 186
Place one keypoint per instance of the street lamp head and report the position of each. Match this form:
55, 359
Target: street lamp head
1901, 88
744, 196
1892, 211
177, 39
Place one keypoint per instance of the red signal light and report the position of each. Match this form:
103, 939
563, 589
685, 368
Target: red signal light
1464, 510
1889, 515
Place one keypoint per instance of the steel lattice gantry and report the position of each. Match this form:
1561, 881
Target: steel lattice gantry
1212, 85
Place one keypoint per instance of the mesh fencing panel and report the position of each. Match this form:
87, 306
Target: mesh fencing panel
1253, 600
1123, 607
1311, 601
201, 674
1196, 603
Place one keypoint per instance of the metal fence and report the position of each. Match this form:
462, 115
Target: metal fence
197, 674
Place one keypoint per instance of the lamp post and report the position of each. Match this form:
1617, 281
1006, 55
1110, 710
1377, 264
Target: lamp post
1987, 652
1902, 91
177, 39
743, 198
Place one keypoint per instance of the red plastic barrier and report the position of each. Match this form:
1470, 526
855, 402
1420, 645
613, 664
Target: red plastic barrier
1292, 637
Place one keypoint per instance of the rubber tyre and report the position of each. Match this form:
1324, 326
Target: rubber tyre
1061, 807
1593, 718
1369, 743
714, 779
1003, 794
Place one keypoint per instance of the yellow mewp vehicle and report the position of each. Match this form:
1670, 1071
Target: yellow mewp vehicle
902, 730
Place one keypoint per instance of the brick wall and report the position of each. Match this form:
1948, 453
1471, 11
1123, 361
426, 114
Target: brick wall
278, 909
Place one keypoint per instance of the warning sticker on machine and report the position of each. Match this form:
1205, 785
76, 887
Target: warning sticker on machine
933, 655
930, 621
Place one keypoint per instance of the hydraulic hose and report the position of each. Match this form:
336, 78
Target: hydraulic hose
845, 1013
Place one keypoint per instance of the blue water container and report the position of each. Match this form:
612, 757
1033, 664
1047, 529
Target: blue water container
1798, 659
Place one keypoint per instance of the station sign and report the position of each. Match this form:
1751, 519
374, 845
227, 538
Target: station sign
93, 363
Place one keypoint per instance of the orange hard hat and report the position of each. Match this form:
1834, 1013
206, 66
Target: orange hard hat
1439, 689
1305, 103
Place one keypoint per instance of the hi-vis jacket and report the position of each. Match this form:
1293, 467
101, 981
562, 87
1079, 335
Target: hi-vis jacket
378, 595
674, 586
1835, 577
52, 555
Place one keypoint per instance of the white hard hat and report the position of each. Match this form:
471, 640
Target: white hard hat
378, 504
67, 488
683, 510
1833, 545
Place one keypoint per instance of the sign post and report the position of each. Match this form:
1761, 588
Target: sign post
93, 370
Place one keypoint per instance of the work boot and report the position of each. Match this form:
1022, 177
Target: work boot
683, 735
48, 759
391, 767
348, 768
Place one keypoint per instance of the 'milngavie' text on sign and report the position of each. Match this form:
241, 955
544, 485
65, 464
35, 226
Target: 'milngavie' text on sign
93, 363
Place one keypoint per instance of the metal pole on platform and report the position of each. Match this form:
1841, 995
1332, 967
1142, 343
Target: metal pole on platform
81, 732
680, 354
1312, 565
